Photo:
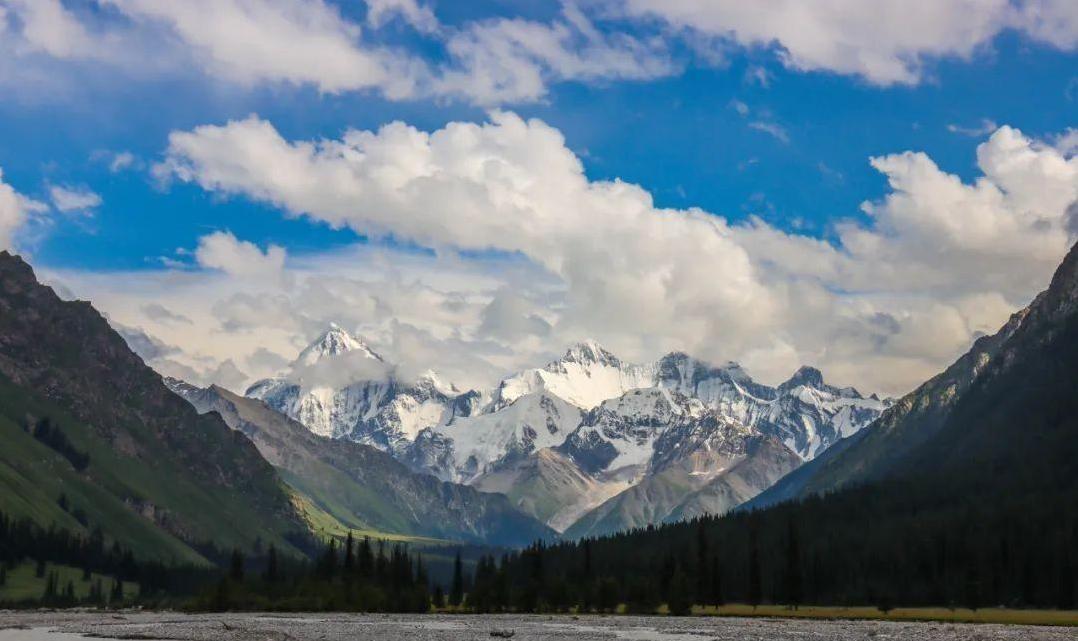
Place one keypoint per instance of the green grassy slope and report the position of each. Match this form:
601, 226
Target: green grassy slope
161, 478
24, 585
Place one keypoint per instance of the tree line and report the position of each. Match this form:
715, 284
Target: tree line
363, 575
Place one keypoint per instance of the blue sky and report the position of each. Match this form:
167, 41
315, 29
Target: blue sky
698, 105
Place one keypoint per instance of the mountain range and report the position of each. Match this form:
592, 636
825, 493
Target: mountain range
587, 443
97, 442
360, 487
961, 494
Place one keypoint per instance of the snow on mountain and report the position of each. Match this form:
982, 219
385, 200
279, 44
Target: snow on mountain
563, 438
471, 446
621, 432
334, 342
339, 387
586, 376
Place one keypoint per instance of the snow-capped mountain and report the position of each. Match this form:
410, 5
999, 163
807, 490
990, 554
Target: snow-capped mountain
564, 438
339, 387
334, 342
621, 433
586, 376
464, 449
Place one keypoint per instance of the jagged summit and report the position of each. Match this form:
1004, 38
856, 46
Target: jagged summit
334, 342
589, 351
805, 375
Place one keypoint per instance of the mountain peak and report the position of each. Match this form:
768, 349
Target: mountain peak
589, 351
334, 342
807, 376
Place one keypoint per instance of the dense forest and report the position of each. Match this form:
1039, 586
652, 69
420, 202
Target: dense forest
881, 545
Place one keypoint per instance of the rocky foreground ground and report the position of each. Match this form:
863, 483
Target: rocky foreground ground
62, 626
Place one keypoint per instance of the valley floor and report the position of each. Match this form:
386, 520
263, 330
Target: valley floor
68, 625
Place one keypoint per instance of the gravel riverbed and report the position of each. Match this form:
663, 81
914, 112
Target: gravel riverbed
69, 625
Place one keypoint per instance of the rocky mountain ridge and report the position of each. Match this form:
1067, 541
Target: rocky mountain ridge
597, 425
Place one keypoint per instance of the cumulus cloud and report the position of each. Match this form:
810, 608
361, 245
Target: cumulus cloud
1067, 142
885, 42
940, 262
510, 185
222, 250
68, 198
15, 210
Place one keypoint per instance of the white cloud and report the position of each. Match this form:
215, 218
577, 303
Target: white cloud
221, 250
420, 16
758, 75
121, 161
886, 42
310, 42
505, 60
291, 41
1067, 142
776, 131
68, 199
941, 262
986, 127
49, 27
769, 127
514, 60
15, 211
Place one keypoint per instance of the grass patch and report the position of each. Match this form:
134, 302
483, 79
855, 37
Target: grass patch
23, 584
945, 615
326, 527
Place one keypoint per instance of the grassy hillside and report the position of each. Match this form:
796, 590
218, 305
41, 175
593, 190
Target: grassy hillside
157, 476
23, 584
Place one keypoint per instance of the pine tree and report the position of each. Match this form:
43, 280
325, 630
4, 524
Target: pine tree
716, 582
365, 558
678, 600
329, 561
793, 567
349, 556
235, 569
49, 595
755, 587
117, 595
271, 564
703, 568
97, 593
456, 588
